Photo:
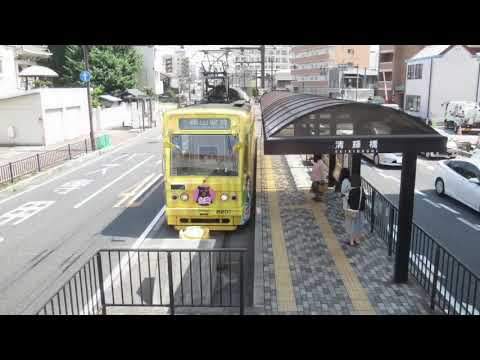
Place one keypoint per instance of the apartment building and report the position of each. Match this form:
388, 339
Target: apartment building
246, 64
15, 58
391, 71
150, 75
329, 69
439, 74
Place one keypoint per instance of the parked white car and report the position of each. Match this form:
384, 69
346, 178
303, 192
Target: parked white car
387, 159
459, 179
452, 151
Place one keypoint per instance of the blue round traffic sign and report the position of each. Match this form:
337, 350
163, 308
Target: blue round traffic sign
85, 76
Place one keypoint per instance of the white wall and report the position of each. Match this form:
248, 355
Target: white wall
8, 74
419, 87
25, 114
114, 117
66, 99
454, 78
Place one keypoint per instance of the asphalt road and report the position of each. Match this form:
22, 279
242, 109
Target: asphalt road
452, 224
53, 226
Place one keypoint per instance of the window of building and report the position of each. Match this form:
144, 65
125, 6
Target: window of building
413, 103
388, 57
414, 71
418, 71
350, 51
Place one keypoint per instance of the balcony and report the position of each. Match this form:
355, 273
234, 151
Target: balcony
35, 51
381, 85
386, 48
385, 66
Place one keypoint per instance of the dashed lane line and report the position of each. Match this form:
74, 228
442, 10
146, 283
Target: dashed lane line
473, 226
432, 203
449, 209
83, 202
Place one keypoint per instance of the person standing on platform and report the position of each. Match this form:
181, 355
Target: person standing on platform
354, 212
319, 177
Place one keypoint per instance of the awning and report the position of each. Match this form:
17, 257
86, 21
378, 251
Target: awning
307, 124
110, 98
36, 70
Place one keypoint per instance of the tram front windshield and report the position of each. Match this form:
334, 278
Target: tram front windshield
204, 155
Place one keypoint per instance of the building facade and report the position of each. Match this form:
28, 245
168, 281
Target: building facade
391, 71
150, 74
14, 59
246, 65
329, 70
438, 74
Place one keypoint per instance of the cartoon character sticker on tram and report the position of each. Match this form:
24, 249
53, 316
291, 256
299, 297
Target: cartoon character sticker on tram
204, 195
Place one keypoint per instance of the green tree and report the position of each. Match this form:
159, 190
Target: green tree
113, 67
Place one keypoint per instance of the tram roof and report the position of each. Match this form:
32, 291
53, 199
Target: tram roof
218, 109
307, 124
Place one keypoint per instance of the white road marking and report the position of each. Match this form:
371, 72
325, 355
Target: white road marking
72, 185
121, 157
419, 192
131, 157
104, 169
145, 188
88, 162
431, 203
24, 212
2, 239
131, 191
430, 167
473, 226
111, 183
158, 162
123, 262
449, 209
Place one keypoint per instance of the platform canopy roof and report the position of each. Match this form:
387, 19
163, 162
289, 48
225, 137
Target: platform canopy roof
306, 124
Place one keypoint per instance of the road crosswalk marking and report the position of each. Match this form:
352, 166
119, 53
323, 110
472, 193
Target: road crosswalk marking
473, 226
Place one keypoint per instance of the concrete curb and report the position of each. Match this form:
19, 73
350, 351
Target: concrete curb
19, 185
258, 280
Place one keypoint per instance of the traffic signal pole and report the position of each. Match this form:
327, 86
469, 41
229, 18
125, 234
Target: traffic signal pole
92, 135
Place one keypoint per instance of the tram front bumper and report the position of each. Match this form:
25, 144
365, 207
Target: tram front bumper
212, 218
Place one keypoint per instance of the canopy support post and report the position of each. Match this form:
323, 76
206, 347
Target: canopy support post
405, 217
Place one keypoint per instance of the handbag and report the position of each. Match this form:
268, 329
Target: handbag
351, 213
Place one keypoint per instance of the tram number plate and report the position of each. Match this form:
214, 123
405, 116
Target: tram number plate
224, 212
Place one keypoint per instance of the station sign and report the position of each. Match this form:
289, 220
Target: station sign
355, 146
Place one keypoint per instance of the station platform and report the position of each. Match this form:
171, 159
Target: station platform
303, 264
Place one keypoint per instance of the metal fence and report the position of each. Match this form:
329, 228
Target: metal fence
452, 286
201, 278
36, 163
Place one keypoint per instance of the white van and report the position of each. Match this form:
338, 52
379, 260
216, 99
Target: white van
461, 113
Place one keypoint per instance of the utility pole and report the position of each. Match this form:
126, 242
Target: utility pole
356, 91
262, 64
85, 59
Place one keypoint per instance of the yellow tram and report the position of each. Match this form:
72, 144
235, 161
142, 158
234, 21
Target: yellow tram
209, 156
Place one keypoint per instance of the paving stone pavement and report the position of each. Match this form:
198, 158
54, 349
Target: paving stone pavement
317, 284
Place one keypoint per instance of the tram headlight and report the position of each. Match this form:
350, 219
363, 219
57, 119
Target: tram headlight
184, 196
234, 196
174, 197
224, 197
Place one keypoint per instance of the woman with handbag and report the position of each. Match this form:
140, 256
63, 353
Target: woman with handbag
354, 213
319, 177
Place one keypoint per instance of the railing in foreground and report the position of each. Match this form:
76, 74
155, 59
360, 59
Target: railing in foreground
201, 278
452, 286
36, 163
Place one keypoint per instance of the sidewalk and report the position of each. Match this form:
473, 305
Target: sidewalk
15, 153
307, 266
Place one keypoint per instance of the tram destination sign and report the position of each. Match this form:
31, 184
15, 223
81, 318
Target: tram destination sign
204, 124
356, 146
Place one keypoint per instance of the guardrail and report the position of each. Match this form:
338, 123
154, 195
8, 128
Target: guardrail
171, 278
41, 161
452, 286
